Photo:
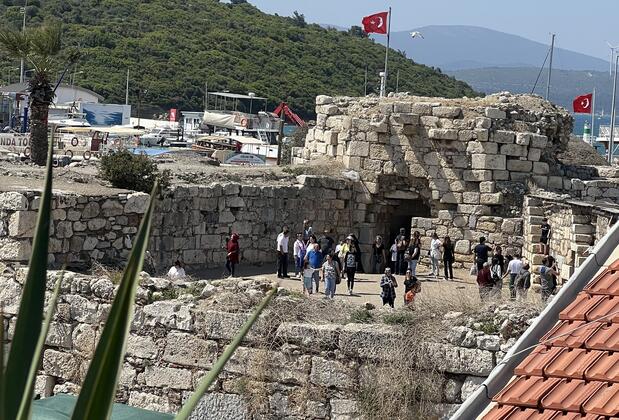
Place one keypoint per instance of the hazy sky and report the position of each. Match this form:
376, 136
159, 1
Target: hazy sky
582, 26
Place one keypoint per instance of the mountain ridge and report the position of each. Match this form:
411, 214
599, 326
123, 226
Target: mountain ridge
448, 46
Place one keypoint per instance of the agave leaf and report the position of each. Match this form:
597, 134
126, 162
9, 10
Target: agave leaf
1, 362
99, 387
30, 316
25, 407
208, 380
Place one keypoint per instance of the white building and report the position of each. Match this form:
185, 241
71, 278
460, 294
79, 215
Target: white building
64, 94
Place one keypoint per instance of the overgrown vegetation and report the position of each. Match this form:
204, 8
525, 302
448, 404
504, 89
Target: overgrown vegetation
133, 172
173, 48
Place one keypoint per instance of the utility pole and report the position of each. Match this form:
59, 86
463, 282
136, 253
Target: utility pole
23, 29
205, 96
127, 89
397, 81
611, 140
552, 46
280, 137
365, 82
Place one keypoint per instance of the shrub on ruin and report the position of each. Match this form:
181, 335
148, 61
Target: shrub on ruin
125, 170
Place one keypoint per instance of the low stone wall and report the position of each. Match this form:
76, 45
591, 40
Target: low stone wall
574, 224
284, 369
190, 223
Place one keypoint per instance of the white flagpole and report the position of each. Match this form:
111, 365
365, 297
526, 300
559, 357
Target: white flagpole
384, 84
591, 138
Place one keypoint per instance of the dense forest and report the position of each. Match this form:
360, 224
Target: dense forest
172, 49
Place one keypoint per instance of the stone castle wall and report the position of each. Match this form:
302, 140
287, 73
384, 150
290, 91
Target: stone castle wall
191, 223
285, 368
472, 161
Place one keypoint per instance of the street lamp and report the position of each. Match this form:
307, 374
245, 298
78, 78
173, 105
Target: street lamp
23, 29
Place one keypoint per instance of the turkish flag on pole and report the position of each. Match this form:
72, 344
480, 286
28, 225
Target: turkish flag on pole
582, 104
376, 23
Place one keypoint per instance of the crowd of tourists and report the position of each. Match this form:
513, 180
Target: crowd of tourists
491, 268
323, 259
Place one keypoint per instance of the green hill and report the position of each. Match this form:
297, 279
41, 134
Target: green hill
173, 48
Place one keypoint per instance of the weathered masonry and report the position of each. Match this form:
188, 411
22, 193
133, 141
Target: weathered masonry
468, 162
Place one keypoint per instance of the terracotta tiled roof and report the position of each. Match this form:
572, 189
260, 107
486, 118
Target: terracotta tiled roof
574, 372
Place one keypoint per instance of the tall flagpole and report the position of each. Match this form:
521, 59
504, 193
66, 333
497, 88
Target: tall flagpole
552, 47
592, 116
611, 140
384, 78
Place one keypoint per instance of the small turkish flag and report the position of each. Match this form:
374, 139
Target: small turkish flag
376, 23
173, 115
582, 104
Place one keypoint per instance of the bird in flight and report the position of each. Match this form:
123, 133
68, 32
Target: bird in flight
416, 34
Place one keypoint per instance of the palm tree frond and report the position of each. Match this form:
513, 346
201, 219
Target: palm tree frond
15, 43
46, 40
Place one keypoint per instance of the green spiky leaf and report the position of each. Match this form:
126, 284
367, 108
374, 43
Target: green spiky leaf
208, 380
98, 390
25, 408
30, 316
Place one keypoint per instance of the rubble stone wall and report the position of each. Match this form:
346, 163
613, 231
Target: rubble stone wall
286, 369
190, 222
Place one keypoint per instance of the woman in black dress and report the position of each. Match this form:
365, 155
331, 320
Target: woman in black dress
448, 258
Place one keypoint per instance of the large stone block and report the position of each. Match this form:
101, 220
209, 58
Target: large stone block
482, 147
358, 148
270, 365
172, 314
315, 337
163, 377
224, 326
513, 150
447, 111
491, 199
22, 224
422, 108
477, 175
534, 154
188, 350
366, 341
217, 406
484, 161
519, 165
59, 364
538, 141
143, 347
443, 134
151, 402
14, 250
332, 374
137, 203
494, 113
13, 201
504, 136
460, 360
541, 168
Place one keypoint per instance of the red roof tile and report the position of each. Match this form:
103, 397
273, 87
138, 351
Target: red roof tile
537, 360
606, 283
526, 391
574, 372
606, 311
569, 395
583, 303
571, 363
604, 338
499, 412
569, 334
604, 402
605, 368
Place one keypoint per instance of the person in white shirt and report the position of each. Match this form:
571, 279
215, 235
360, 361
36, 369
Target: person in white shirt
513, 269
282, 254
435, 254
176, 271
299, 249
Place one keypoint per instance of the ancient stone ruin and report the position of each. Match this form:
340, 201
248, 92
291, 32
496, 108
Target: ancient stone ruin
462, 167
